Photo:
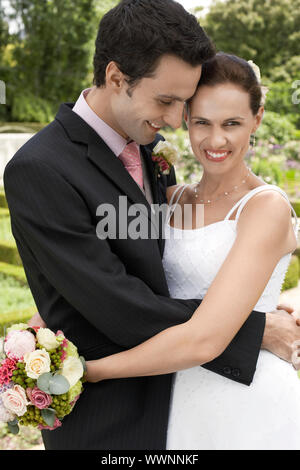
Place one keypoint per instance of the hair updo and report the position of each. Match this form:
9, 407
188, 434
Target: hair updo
227, 68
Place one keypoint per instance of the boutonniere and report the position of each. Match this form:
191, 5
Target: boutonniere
164, 155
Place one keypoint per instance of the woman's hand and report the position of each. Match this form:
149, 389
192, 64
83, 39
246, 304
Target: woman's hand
93, 373
37, 320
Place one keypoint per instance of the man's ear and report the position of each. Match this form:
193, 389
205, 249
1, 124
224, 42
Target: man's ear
114, 77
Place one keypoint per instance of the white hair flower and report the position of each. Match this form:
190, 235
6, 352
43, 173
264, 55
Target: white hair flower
264, 89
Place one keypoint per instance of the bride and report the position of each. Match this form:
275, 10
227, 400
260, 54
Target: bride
242, 244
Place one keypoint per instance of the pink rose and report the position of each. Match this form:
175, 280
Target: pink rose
56, 424
17, 343
15, 400
38, 398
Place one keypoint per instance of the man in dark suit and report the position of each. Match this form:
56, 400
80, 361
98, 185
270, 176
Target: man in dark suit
111, 294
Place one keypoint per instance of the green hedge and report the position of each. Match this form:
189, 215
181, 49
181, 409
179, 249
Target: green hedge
20, 127
296, 206
4, 213
3, 202
292, 275
16, 316
297, 252
17, 272
9, 253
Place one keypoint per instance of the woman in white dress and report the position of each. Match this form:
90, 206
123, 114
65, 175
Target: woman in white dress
242, 244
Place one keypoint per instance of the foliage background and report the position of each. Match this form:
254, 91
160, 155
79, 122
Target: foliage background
47, 59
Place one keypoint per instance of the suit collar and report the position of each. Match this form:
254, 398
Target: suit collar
106, 161
103, 157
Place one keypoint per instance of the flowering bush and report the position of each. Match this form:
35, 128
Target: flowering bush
41, 377
279, 127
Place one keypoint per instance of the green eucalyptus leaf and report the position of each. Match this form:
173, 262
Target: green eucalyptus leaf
83, 363
14, 421
13, 428
43, 382
48, 415
58, 385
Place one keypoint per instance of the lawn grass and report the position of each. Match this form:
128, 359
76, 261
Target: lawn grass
13, 295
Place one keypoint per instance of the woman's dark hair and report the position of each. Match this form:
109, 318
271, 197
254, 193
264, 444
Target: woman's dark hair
136, 33
227, 68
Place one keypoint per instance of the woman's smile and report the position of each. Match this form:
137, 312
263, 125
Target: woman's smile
217, 155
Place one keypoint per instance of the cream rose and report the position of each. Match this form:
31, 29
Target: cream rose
15, 400
36, 363
72, 370
47, 339
167, 150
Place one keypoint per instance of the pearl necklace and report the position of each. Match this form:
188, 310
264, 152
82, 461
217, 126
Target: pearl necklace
226, 193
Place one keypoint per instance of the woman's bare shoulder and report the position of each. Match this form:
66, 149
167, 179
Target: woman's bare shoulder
268, 215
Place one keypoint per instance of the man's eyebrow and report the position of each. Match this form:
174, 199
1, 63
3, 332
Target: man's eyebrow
234, 118
229, 119
173, 97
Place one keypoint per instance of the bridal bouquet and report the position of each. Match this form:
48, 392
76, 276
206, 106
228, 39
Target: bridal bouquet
41, 376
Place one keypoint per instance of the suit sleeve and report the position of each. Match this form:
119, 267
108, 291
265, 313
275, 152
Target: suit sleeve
171, 179
91, 277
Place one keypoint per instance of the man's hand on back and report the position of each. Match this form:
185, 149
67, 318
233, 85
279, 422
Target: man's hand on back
282, 334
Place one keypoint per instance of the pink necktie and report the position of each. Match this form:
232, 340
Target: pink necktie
131, 159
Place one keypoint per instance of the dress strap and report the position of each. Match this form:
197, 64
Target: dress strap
172, 205
242, 202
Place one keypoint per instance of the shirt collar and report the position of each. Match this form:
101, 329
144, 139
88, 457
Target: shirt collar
113, 140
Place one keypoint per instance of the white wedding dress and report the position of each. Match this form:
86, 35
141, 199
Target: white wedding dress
209, 411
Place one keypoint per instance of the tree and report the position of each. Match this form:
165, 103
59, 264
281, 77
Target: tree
52, 48
266, 31
4, 69
51, 52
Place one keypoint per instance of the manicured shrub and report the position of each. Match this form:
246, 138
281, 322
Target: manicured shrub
16, 272
5, 230
296, 206
16, 316
292, 275
3, 202
4, 212
9, 253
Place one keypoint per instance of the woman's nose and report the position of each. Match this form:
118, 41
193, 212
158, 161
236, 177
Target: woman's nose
217, 139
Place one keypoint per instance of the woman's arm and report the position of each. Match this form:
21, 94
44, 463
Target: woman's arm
263, 237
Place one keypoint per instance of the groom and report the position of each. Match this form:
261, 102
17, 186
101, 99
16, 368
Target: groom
111, 294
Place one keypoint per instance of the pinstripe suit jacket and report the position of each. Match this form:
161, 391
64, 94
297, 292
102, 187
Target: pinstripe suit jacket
106, 295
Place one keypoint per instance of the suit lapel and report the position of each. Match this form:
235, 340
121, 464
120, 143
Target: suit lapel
151, 174
107, 162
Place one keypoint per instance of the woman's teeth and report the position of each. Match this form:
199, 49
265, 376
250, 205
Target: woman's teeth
217, 155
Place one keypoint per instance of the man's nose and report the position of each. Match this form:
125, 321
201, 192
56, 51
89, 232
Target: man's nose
174, 117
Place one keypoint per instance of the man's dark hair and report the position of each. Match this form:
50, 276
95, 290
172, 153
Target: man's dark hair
136, 33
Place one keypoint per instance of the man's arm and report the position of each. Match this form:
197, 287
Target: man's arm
50, 218
92, 278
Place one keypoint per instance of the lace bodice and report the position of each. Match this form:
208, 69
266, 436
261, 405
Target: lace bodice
192, 261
